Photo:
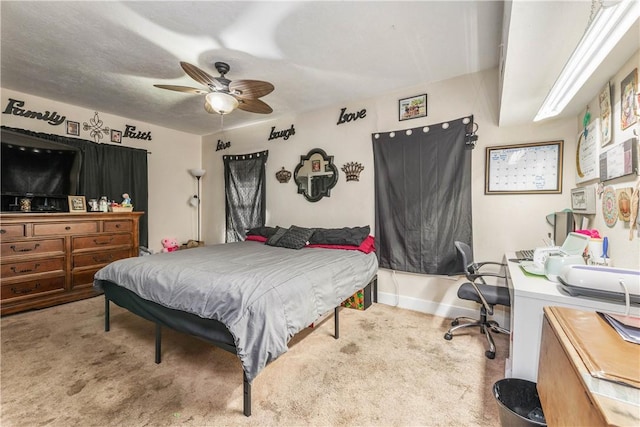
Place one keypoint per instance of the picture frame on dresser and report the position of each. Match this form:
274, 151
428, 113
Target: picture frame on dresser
77, 204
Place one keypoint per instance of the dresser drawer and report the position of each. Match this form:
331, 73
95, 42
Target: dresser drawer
83, 278
99, 258
101, 241
38, 266
31, 247
32, 287
49, 229
124, 225
8, 231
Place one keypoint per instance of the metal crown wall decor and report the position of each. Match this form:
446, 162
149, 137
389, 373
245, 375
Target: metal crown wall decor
352, 171
283, 176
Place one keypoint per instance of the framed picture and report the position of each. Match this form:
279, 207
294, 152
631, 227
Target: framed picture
116, 136
73, 128
628, 107
524, 168
583, 200
412, 108
77, 204
604, 100
315, 166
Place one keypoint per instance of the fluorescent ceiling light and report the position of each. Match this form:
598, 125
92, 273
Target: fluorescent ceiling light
605, 31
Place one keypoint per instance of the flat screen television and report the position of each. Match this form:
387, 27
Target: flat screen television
34, 167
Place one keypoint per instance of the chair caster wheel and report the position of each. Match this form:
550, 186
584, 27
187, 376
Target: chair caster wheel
448, 336
490, 354
455, 322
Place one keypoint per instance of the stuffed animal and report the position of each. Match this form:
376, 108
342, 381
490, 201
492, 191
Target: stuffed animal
170, 244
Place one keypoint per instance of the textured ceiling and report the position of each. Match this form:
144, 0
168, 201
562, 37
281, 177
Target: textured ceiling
106, 56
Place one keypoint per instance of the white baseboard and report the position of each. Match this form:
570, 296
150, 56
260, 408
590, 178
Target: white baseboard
439, 309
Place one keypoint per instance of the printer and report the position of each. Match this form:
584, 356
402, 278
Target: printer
552, 259
601, 282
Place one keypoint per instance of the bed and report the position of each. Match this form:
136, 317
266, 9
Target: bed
247, 297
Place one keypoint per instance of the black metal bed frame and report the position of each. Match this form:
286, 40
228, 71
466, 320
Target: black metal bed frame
369, 293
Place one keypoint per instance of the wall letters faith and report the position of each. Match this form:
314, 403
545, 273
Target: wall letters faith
130, 132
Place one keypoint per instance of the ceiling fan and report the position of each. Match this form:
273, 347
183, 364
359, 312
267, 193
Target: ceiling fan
223, 95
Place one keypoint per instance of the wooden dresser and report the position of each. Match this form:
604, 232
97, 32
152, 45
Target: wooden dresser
50, 258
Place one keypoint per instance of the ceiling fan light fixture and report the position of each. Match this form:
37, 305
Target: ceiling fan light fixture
222, 103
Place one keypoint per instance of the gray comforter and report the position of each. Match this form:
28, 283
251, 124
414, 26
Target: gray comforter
264, 295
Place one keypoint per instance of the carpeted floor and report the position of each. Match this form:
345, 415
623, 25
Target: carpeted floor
390, 367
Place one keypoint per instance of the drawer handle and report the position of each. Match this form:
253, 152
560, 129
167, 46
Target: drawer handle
68, 227
103, 243
36, 246
107, 259
26, 270
3, 231
25, 290
117, 225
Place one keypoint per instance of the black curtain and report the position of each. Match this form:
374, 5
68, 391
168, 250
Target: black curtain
423, 196
124, 170
245, 193
109, 170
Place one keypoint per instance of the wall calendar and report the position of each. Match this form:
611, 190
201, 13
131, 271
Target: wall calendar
524, 168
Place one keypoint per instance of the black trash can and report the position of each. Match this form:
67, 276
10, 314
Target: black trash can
519, 403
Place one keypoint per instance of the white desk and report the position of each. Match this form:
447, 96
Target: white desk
529, 294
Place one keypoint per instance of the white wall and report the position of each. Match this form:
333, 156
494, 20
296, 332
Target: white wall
501, 222
624, 252
172, 154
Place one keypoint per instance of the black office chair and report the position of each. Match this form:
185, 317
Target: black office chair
479, 291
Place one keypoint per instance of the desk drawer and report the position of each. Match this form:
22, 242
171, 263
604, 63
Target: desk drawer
101, 241
38, 266
112, 226
32, 247
12, 230
50, 229
99, 258
32, 287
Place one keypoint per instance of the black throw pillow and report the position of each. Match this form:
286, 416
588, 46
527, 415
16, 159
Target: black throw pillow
262, 231
353, 236
295, 237
275, 238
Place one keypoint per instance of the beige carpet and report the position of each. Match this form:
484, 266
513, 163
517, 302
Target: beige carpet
390, 367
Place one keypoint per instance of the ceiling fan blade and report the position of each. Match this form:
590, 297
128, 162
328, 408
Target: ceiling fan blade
254, 106
183, 89
200, 75
250, 89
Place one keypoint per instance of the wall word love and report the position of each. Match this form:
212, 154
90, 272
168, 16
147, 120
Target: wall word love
284, 134
344, 118
223, 145
14, 107
130, 132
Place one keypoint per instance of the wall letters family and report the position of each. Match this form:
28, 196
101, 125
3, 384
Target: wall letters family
14, 106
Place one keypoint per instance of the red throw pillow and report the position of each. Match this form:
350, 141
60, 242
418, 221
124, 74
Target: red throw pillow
367, 246
256, 238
